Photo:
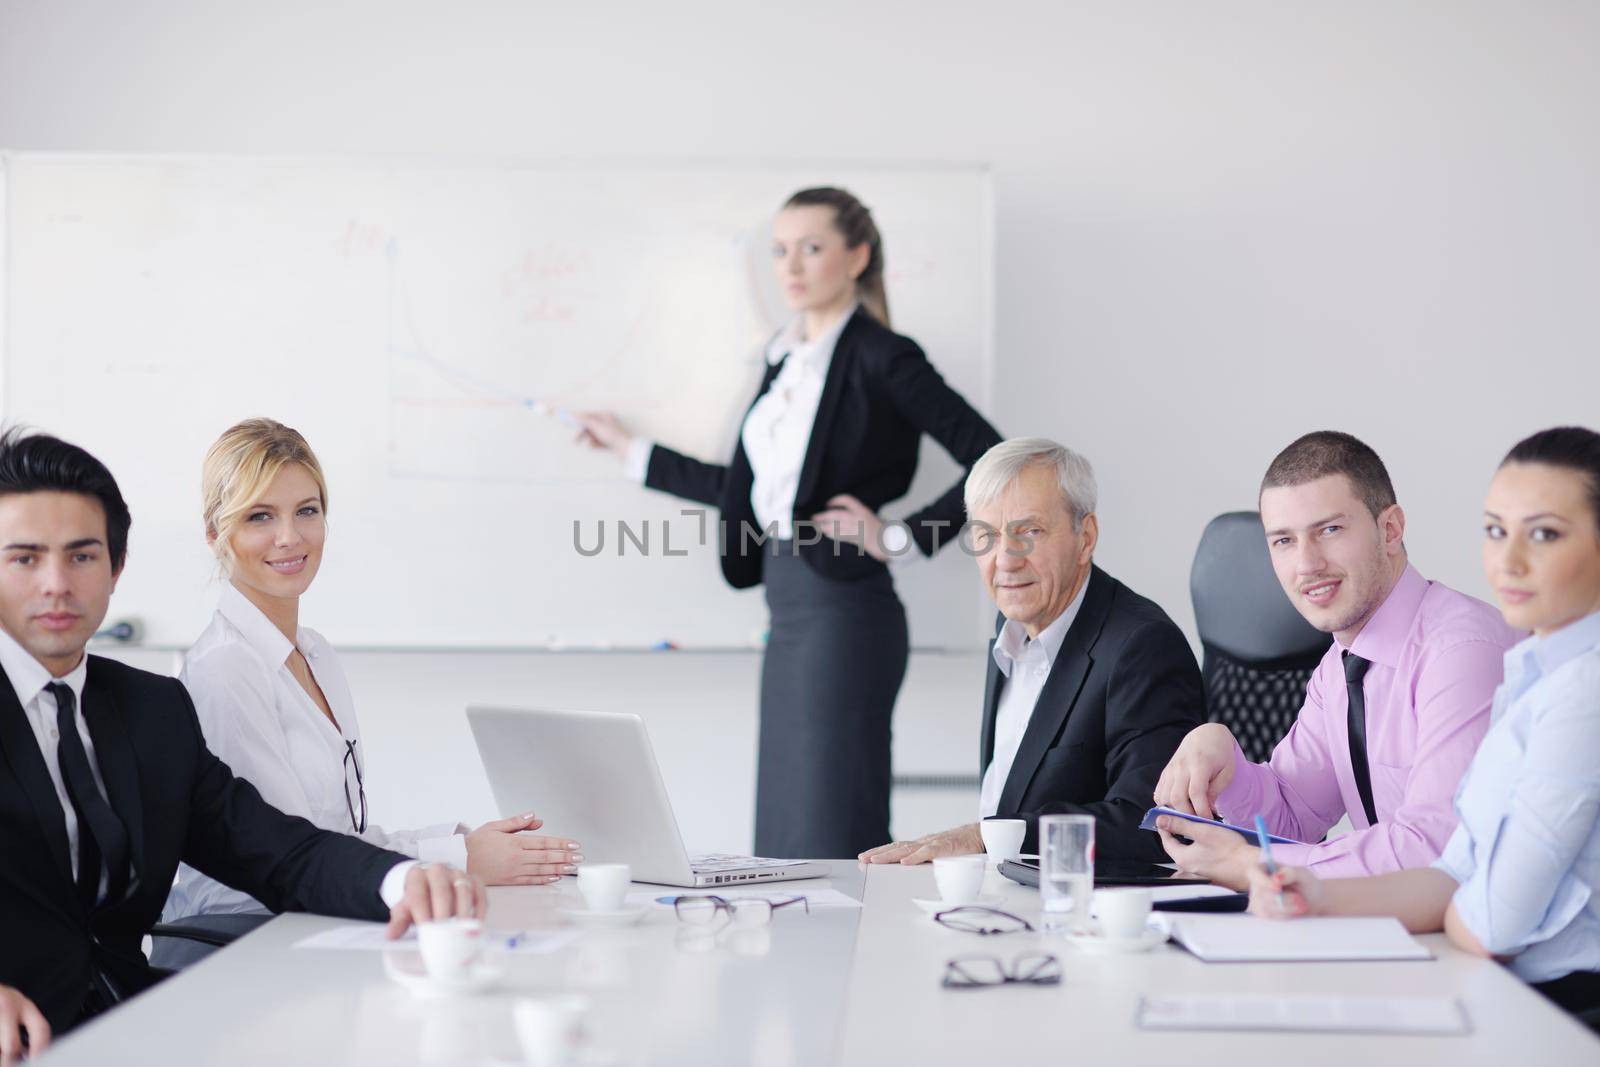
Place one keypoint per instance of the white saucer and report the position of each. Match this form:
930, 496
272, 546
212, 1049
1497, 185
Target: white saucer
407, 969
1098, 943
617, 917
934, 906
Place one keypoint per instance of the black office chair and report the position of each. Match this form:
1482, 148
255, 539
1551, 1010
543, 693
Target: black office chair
175, 946
1259, 651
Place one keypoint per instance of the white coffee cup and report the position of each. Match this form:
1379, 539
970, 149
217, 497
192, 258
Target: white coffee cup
450, 947
1002, 838
604, 885
1123, 912
549, 1029
959, 878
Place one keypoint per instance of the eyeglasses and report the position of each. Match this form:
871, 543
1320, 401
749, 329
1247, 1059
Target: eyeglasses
981, 972
351, 761
742, 911
970, 919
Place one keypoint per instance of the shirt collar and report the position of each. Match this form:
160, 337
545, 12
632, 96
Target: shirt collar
1384, 636
1013, 640
28, 676
252, 623
1541, 656
789, 339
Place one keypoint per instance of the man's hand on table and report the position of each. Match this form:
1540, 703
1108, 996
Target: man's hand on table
437, 891
960, 841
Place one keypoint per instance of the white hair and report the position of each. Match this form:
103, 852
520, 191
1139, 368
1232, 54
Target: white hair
999, 467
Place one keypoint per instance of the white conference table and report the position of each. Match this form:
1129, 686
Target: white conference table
838, 986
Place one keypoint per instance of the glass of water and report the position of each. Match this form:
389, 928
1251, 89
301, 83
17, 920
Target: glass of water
1066, 871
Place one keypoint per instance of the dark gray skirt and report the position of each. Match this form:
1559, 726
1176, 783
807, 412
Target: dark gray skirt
834, 662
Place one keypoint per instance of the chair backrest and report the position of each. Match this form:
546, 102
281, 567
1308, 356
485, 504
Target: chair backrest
1259, 651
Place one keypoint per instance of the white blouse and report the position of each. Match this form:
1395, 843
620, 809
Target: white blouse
262, 724
777, 432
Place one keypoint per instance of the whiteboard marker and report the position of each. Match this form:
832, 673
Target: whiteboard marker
541, 408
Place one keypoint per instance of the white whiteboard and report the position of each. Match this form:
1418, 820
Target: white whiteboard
405, 316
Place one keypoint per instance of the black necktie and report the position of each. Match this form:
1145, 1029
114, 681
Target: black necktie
101, 834
1355, 669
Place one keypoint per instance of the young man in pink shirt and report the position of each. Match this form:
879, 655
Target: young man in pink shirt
1393, 713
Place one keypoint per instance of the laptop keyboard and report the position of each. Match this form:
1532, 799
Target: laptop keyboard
710, 864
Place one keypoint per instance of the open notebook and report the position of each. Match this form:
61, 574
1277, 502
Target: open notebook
1247, 939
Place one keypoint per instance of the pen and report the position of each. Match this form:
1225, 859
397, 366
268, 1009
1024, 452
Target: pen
1262, 837
541, 408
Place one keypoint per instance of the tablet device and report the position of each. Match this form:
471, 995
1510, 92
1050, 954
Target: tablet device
1108, 873
1249, 834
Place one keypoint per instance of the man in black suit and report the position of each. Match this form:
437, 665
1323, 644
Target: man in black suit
106, 782
1091, 687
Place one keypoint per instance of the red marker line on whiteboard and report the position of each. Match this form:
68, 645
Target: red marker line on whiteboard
541, 408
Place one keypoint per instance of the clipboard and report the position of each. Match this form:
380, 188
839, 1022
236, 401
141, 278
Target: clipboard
1149, 823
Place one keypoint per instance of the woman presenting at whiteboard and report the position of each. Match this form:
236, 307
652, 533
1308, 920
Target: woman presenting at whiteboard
271, 695
830, 438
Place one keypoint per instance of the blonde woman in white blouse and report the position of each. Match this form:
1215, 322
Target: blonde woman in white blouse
271, 696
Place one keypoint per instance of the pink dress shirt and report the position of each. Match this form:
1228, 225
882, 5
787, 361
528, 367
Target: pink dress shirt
1437, 656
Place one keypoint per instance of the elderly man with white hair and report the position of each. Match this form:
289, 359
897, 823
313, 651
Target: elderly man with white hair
1091, 687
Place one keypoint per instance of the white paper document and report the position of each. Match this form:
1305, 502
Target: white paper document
1246, 938
1347, 1014
370, 936
826, 897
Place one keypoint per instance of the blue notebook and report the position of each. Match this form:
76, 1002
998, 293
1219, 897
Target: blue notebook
1248, 834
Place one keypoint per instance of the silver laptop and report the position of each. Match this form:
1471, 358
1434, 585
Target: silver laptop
592, 775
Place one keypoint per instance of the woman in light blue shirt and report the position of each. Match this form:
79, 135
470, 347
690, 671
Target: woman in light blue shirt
1520, 878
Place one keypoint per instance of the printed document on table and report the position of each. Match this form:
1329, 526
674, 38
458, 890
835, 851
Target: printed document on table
1304, 1012
815, 898
370, 936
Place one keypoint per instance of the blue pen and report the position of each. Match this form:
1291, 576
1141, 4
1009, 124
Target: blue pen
1264, 839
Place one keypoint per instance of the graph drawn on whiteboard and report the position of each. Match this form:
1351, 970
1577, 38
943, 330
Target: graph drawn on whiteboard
404, 317
484, 362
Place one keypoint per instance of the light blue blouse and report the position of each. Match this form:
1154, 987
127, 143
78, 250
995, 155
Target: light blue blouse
1527, 851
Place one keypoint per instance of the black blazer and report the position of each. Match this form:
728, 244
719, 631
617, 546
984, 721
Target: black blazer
1122, 693
178, 802
880, 397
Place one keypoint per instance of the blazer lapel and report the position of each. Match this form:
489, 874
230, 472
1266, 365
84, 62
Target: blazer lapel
1060, 692
821, 427
994, 682
736, 489
768, 376
22, 752
113, 750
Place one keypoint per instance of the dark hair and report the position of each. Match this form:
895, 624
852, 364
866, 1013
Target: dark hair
852, 219
1572, 448
39, 463
1325, 452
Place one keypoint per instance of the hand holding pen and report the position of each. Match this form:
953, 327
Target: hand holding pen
1264, 842
1281, 892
